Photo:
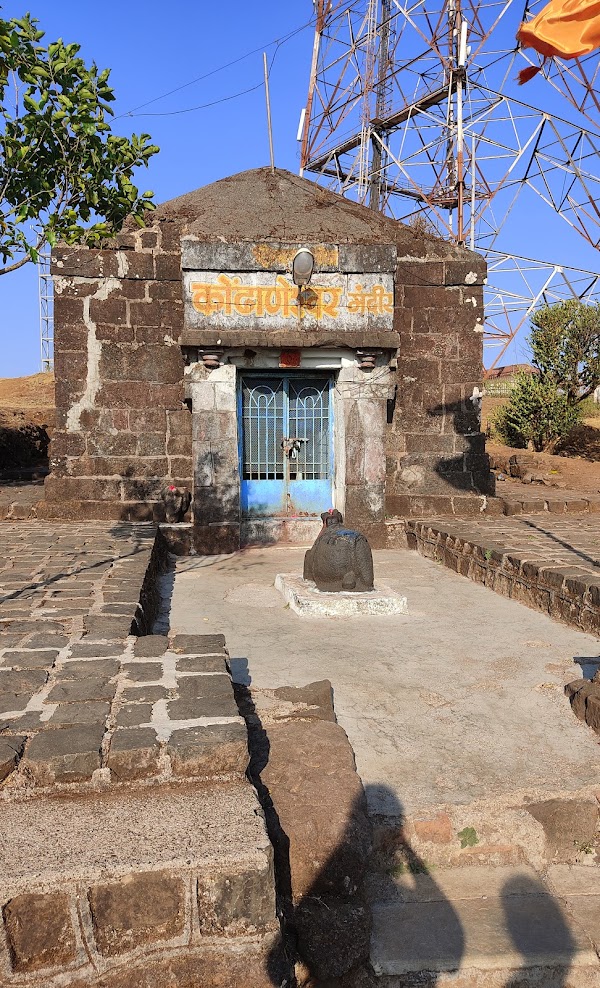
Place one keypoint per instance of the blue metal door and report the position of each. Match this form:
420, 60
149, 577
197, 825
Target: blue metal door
285, 445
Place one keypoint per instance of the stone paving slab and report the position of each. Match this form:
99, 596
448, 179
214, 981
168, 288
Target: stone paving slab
482, 919
81, 698
455, 708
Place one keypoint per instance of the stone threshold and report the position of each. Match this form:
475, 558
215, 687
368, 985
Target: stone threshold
569, 594
489, 926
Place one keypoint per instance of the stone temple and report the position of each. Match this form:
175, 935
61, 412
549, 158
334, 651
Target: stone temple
186, 356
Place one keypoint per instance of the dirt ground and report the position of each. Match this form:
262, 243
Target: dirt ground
575, 465
34, 391
27, 401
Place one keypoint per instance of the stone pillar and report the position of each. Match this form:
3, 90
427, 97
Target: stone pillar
216, 501
360, 463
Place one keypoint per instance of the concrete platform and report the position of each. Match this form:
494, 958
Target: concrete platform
305, 600
458, 703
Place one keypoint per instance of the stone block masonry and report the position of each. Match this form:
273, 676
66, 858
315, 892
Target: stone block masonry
82, 699
123, 432
172, 881
133, 849
207, 285
548, 563
435, 446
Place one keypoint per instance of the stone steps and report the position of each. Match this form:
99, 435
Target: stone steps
100, 885
485, 926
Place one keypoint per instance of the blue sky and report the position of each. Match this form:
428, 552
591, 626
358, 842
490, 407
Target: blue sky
153, 48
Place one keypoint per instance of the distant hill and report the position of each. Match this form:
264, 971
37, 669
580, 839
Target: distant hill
34, 391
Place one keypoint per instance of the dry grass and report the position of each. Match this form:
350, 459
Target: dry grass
34, 391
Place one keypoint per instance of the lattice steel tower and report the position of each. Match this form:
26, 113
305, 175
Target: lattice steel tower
412, 109
46, 299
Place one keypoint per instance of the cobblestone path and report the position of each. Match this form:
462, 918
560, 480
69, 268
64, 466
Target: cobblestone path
79, 693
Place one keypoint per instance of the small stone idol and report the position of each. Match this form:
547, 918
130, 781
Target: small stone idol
176, 503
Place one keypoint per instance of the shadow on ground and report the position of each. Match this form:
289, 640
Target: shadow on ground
326, 942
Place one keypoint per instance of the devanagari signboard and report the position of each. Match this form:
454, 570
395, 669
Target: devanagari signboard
270, 299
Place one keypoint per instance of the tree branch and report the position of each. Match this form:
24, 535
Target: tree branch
16, 265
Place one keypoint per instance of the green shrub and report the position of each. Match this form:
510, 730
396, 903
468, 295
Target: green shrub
536, 415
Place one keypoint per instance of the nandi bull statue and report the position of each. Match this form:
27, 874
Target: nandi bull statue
340, 559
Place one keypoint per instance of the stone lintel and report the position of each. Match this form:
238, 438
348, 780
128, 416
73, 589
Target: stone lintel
367, 258
257, 336
197, 255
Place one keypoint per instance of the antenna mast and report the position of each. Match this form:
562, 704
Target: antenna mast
410, 110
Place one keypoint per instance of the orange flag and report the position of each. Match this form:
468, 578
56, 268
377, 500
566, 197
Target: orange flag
567, 28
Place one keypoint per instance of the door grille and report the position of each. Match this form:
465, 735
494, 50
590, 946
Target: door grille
309, 420
263, 428
274, 409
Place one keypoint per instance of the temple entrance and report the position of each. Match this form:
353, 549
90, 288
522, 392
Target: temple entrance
286, 449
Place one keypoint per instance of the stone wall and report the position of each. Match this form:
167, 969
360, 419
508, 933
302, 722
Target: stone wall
435, 445
529, 569
123, 432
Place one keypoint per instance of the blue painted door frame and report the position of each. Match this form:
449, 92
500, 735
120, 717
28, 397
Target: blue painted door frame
274, 409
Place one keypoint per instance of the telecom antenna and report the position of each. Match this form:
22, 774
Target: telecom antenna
46, 299
413, 109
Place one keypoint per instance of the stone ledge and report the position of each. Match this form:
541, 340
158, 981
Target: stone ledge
196, 874
485, 923
426, 506
104, 837
536, 578
585, 701
303, 766
304, 599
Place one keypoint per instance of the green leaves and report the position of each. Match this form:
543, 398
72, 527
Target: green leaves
468, 837
544, 407
565, 342
63, 174
537, 414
